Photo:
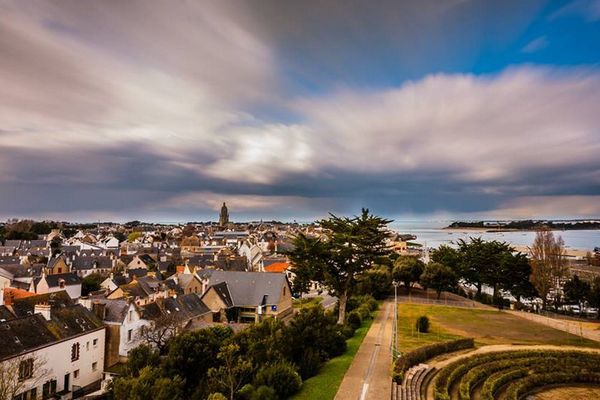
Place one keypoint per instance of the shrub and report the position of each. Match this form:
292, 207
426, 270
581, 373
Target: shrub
281, 376
249, 392
310, 363
423, 324
354, 319
348, 331
216, 396
422, 354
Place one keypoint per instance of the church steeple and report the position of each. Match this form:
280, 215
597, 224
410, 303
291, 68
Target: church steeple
224, 216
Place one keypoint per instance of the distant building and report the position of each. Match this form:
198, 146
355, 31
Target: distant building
224, 216
247, 297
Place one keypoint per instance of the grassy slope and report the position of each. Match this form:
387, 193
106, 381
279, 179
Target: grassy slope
325, 385
486, 326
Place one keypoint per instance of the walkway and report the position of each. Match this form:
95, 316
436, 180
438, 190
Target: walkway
368, 377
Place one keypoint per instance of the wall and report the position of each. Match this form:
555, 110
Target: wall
58, 362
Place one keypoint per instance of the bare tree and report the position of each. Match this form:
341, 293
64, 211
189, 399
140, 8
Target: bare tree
548, 263
21, 373
160, 331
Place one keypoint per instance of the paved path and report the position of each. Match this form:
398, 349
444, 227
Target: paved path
587, 330
368, 377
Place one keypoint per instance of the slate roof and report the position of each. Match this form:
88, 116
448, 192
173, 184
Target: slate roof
32, 331
7, 249
53, 280
25, 306
5, 313
13, 243
185, 307
82, 263
6, 274
20, 271
232, 264
34, 243
151, 311
116, 310
137, 272
201, 260
223, 292
21, 334
10, 260
250, 288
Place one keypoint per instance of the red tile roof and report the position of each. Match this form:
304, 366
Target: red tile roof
277, 267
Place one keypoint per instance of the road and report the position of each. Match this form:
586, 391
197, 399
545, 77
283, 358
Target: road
368, 377
328, 300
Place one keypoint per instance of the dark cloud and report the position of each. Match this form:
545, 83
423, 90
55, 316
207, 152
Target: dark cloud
120, 110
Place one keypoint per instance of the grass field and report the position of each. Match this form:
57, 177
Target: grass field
325, 385
486, 326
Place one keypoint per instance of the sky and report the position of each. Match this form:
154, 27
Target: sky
162, 110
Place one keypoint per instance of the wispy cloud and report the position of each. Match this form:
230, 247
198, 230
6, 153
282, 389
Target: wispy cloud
536, 44
114, 108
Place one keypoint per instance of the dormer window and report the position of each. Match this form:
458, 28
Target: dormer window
61, 283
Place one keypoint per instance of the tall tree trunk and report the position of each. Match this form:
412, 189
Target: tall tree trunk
439, 294
479, 289
342, 300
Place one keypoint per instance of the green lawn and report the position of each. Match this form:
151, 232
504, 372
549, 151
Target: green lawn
486, 326
325, 385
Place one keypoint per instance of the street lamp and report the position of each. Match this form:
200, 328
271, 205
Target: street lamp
395, 327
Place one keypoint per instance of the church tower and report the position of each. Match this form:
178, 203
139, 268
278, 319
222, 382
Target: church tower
224, 216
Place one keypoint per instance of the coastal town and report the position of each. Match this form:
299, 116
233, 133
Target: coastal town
75, 303
299, 200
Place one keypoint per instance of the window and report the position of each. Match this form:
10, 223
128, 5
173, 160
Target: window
61, 283
26, 369
87, 346
130, 315
49, 389
129, 333
94, 366
95, 343
76, 374
75, 352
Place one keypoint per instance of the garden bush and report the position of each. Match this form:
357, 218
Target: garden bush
354, 319
422, 324
281, 376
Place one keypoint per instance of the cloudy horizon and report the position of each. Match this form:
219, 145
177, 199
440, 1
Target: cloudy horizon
162, 110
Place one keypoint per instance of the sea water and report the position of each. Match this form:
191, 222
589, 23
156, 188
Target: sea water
432, 234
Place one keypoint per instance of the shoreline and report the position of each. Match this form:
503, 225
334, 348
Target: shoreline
497, 230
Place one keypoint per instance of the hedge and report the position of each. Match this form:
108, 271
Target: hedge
499, 379
520, 388
422, 354
468, 372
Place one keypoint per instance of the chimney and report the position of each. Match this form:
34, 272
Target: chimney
99, 310
44, 309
